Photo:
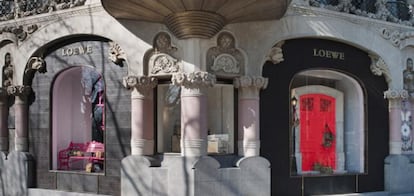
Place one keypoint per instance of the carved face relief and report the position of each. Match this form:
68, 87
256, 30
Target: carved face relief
225, 41
162, 41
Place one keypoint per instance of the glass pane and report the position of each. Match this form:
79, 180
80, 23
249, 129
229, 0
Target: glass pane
168, 118
221, 119
78, 120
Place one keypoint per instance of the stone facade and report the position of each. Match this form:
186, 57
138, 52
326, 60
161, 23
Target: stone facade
135, 56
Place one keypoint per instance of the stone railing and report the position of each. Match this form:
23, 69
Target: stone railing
13, 9
397, 11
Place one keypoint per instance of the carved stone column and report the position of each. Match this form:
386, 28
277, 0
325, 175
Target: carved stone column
249, 119
194, 111
21, 116
395, 100
4, 128
142, 114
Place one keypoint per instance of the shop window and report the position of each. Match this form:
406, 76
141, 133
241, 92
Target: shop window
327, 124
78, 120
220, 119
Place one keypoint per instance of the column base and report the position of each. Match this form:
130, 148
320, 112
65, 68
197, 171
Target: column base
395, 147
4, 144
194, 148
142, 147
21, 144
249, 148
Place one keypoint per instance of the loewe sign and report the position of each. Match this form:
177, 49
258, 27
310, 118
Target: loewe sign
328, 54
77, 50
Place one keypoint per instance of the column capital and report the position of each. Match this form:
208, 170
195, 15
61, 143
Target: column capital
19, 91
396, 94
250, 85
194, 80
142, 84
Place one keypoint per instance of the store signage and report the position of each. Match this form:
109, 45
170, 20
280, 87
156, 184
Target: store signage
328, 54
80, 50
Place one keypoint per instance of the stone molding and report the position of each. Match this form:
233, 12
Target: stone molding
116, 53
194, 80
142, 147
250, 86
21, 32
276, 53
380, 68
143, 84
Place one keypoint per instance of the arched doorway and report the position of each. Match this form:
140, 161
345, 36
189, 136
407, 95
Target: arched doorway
354, 167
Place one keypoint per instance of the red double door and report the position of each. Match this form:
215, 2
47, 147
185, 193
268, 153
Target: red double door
317, 131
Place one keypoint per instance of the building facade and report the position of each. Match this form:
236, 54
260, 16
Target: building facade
206, 97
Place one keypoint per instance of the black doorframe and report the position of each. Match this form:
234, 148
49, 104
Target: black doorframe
274, 118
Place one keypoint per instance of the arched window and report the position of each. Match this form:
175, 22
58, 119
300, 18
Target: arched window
327, 123
78, 119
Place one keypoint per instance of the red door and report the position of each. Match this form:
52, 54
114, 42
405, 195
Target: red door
317, 131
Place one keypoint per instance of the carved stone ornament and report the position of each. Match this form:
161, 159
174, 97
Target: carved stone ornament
257, 82
194, 80
22, 91
379, 68
36, 64
163, 64
15, 9
396, 94
226, 63
225, 59
276, 54
8, 71
406, 136
142, 83
162, 43
116, 54
21, 32
347, 6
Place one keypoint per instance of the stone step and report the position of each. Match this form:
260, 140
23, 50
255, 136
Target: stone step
43, 192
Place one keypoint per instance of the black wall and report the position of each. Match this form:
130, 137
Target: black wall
275, 103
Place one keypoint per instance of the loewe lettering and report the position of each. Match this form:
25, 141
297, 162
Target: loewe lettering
328, 54
77, 50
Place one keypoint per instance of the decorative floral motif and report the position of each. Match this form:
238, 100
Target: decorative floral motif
328, 137
194, 80
142, 83
21, 32
227, 63
163, 64
406, 126
116, 54
276, 53
396, 94
225, 59
379, 68
19, 90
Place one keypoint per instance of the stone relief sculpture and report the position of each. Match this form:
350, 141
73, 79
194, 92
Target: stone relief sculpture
380, 68
380, 12
276, 53
21, 8
7, 71
225, 59
161, 61
408, 78
116, 54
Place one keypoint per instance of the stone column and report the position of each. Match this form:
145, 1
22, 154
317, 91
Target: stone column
142, 113
21, 108
194, 111
4, 128
395, 99
249, 119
